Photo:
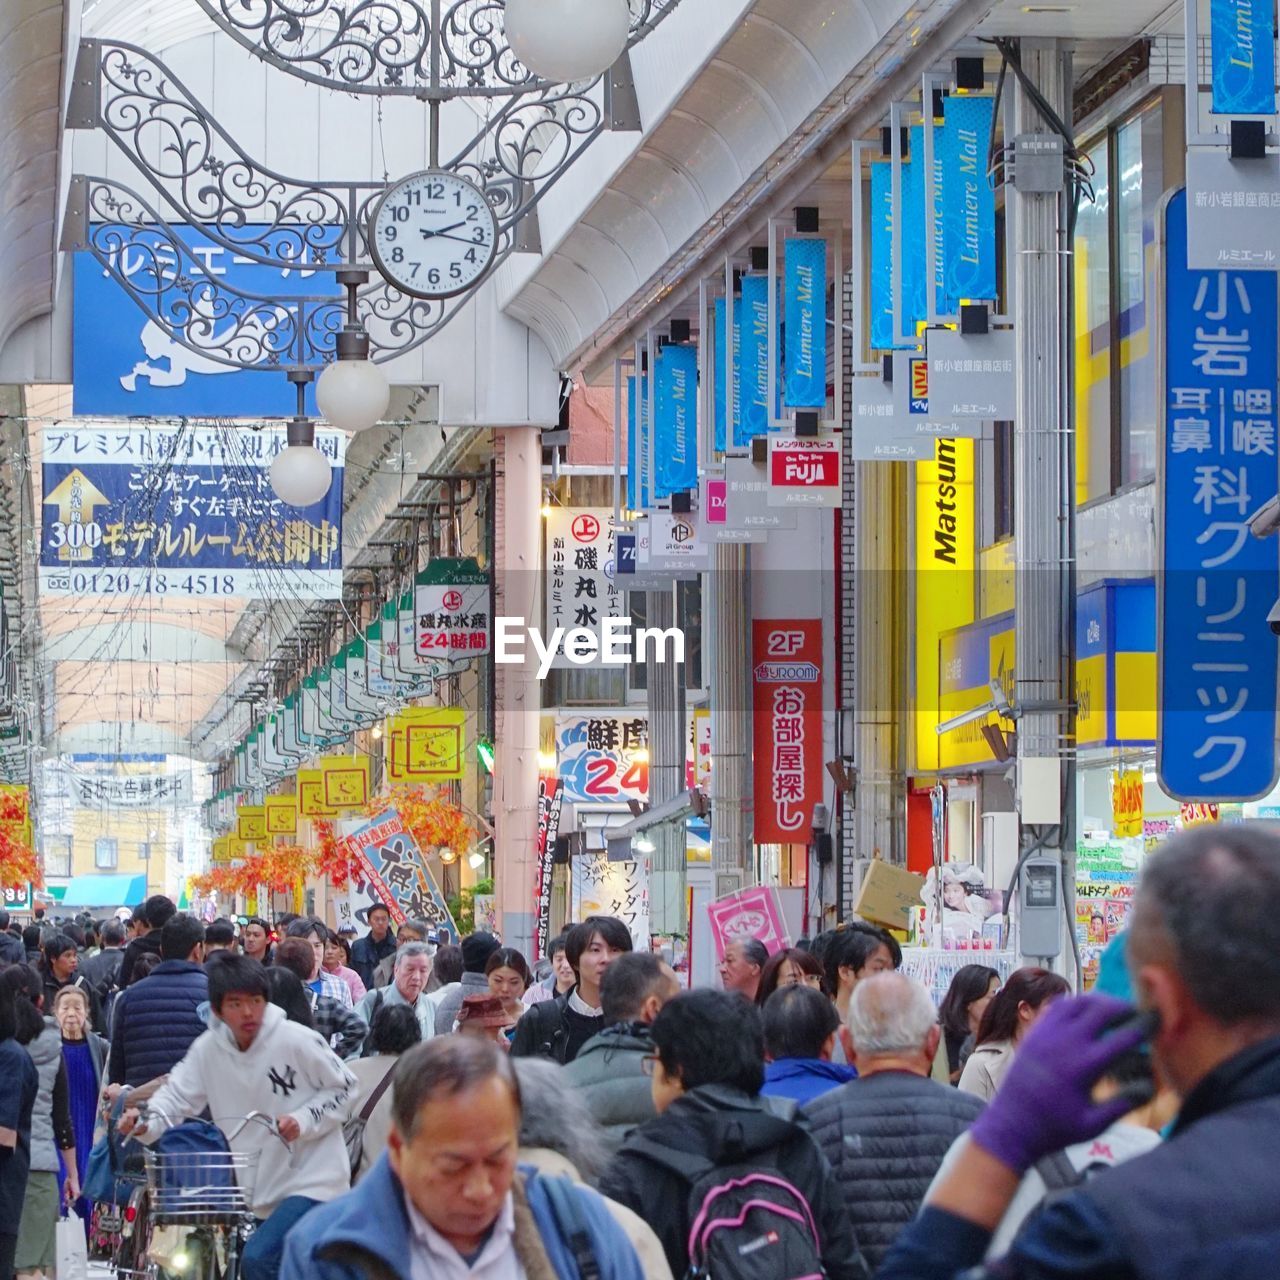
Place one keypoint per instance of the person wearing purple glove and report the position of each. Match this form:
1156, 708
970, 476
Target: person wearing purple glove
1207, 1202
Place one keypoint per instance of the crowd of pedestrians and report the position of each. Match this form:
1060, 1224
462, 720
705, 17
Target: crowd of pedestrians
458, 1115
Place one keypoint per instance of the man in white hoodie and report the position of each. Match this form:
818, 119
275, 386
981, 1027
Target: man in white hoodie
253, 1060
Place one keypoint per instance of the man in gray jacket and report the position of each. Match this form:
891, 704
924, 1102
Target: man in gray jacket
609, 1069
885, 1134
476, 950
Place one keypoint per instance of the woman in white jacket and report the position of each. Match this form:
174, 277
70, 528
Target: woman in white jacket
252, 1059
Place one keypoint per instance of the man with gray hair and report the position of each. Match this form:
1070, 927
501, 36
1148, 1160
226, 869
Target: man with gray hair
408, 986
885, 1133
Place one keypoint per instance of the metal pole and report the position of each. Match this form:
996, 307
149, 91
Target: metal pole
665, 684
729, 619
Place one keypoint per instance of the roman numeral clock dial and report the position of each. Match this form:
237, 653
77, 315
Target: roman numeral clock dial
433, 234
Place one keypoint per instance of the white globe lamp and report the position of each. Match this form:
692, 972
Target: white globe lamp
300, 474
352, 393
568, 40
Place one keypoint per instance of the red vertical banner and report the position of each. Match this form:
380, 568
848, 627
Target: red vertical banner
787, 701
550, 796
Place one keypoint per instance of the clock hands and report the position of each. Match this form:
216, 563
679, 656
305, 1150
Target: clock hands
474, 244
426, 235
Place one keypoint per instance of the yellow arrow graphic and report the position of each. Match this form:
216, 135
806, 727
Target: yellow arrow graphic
75, 498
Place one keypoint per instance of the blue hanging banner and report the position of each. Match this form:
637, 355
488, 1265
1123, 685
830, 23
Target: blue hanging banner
1216, 655
718, 374
939, 206
675, 426
1242, 43
637, 495
914, 273
804, 287
881, 256
968, 204
755, 361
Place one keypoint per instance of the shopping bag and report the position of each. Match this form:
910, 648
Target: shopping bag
72, 1249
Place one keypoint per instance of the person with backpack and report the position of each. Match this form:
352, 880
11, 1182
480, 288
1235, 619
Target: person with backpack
447, 1199
733, 1190
394, 1032
253, 1059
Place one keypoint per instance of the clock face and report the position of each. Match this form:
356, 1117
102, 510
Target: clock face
433, 234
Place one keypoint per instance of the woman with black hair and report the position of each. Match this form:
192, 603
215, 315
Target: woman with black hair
395, 1030
509, 978
960, 1014
59, 964
51, 1131
1009, 1016
288, 994
19, 1086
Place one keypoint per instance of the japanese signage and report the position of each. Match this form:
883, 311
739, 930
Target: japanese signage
311, 795
135, 791
251, 822
804, 289
451, 601
599, 887
425, 744
721, 389
804, 472
747, 505
18, 897
398, 873
755, 360
127, 365
183, 511
1127, 803
749, 913
787, 681
702, 747
603, 758
674, 545
344, 782
880, 433
1242, 36
282, 815
966, 203
582, 586
675, 429
914, 403
1217, 656
1232, 211
550, 801
1198, 815
972, 376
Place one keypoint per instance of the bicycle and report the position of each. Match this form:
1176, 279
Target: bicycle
195, 1212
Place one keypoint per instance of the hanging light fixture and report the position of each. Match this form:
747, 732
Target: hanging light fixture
300, 473
568, 40
352, 392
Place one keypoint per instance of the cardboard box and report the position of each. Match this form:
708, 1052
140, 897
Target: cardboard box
888, 894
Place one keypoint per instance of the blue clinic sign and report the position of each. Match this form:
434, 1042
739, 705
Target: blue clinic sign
804, 286
1217, 657
754, 383
1242, 41
718, 378
128, 365
637, 414
675, 412
967, 204
183, 511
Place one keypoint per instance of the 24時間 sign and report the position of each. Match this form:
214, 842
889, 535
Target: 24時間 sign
1216, 658
787, 682
183, 511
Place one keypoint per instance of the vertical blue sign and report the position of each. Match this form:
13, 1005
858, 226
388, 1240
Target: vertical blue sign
1217, 658
804, 287
718, 376
675, 427
637, 495
882, 258
1242, 42
755, 361
968, 204
915, 302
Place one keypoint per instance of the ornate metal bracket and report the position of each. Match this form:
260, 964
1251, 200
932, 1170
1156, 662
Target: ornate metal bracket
429, 49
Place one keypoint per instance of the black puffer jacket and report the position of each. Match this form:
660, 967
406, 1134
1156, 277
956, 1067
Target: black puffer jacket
884, 1136
725, 1126
156, 1021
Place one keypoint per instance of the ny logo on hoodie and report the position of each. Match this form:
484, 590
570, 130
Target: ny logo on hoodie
284, 1084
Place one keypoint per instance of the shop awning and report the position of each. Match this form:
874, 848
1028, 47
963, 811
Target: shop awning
106, 891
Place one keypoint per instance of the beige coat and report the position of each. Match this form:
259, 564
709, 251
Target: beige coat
985, 1071
369, 1071
643, 1239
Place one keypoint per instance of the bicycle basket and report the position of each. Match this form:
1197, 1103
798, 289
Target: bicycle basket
193, 1177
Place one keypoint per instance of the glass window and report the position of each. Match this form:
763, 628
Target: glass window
1093, 334
1139, 186
144, 852
105, 853
57, 856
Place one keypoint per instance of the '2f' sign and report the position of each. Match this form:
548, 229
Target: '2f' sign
785, 644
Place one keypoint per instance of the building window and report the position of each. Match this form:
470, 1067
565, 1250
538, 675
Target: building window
106, 853
1117, 417
57, 856
144, 851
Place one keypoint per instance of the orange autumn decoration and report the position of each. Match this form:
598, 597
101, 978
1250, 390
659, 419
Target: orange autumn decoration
281, 867
437, 824
19, 862
334, 860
